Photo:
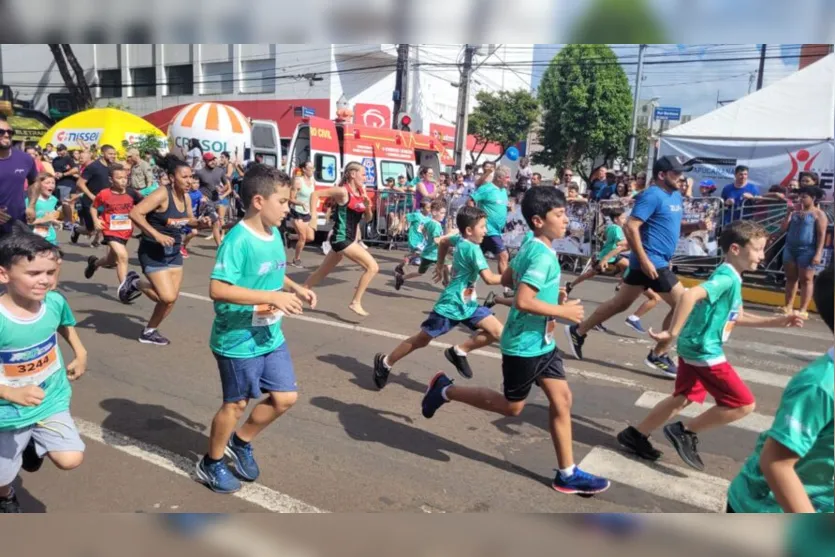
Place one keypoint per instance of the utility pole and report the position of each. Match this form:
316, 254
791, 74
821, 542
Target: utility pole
462, 115
635, 102
762, 66
401, 84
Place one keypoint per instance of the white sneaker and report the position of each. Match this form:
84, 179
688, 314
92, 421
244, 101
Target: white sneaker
326, 247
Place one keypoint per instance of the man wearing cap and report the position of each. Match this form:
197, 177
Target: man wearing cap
141, 175
66, 174
706, 188
653, 230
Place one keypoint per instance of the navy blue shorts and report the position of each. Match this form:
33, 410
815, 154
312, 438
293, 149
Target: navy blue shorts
493, 244
248, 378
437, 325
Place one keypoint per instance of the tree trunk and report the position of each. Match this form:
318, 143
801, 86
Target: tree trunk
80, 78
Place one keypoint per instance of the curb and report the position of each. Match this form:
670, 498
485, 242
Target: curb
763, 296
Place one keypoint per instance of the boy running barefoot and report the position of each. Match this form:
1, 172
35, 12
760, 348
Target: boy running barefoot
432, 232
792, 467
116, 227
529, 353
458, 304
703, 321
247, 341
416, 220
35, 388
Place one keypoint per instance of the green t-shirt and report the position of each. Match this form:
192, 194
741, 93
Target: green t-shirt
31, 355
249, 260
804, 425
459, 299
493, 201
145, 192
431, 229
42, 208
614, 236
416, 221
811, 536
709, 325
526, 334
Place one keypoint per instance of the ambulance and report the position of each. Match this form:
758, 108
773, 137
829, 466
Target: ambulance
382, 152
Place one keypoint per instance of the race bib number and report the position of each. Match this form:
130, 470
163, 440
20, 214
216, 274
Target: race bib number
177, 223
30, 366
729, 325
41, 231
264, 315
120, 223
550, 327
469, 294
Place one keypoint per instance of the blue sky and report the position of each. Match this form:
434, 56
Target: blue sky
695, 85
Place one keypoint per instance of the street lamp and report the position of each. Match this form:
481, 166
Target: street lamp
653, 104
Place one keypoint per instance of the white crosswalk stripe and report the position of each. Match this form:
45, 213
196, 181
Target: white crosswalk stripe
763, 377
752, 422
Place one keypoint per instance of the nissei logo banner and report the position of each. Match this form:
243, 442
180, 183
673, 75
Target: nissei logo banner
73, 136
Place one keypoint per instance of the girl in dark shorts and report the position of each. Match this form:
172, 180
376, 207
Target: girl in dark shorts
351, 205
300, 218
162, 216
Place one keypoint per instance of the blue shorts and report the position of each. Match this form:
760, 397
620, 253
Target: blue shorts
223, 202
248, 378
493, 244
801, 256
437, 325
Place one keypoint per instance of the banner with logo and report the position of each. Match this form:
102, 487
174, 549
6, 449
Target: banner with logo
770, 162
72, 137
372, 115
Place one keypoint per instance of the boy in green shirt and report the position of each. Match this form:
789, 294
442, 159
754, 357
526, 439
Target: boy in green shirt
247, 341
416, 221
529, 353
433, 230
703, 321
35, 388
792, 467
458, 303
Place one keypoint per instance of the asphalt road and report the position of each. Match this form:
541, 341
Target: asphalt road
144, 411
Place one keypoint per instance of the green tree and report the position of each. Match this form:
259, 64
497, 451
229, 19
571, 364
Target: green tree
504, 117
587, 108
146, 143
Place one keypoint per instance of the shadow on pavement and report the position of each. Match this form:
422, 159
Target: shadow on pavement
91, 288
110, 323
28, 502
635, 370
364, 373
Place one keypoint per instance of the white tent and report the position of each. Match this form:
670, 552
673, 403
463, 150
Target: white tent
779, 131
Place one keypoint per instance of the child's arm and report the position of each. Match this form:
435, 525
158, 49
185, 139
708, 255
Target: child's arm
490, 278
620, 248
220, 291
820, 222
682, 312
300, 291
49, 218
78, 366
779, 321
777, 463
507, 278
94, 212
31, 395
526, 301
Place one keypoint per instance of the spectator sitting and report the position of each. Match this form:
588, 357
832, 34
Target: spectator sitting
707, 187
572, 194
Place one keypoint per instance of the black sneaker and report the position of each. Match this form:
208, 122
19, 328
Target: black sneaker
490, 300
568, 288
686, 444
633, 440
153, 338
575, 341
10, 505
91, 267
662, 363
381, 372
601, 328
133, 291
75, 234
127, 286
31, 461
434, 397
398, 281
460, 363
399, 270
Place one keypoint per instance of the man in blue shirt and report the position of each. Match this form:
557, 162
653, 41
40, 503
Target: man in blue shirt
652, 231
734, 194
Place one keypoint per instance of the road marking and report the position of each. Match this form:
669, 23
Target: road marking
771, 349
797, 333
752, 422
763, 377
253, 493
676, 483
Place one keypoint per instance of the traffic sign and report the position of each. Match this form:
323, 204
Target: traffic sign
667, 113
304, 112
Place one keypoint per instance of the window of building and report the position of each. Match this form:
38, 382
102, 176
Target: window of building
144, 82
180, 79
217, 79
258, 76
110, 84
391, 169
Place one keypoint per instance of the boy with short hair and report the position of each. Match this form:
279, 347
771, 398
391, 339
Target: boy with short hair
529, 353
116, 203
415, 220
458, 303
792, 466
247, 341
35, 388
432, 232
703, 321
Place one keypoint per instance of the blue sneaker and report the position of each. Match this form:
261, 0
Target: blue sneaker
634, 323
433, 399
580, 483
662, 363
217, 477
244, 462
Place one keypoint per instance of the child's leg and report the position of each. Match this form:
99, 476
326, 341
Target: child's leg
485, 399
120, 253
807, 286
57, 437
559, 419
108, 261
415, 342
265, 413
223, 425
718, 416
590, 273
490, 331
663, 412
734, 400
651, 301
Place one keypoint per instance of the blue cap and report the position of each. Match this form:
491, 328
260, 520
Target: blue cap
707, 184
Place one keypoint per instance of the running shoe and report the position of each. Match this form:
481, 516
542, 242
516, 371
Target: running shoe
243, 461
31, 461
10, 505
600, 328
75, 234
398, 281
568, 288
184, 252
490, 300
580, 483
415, 261
399, 270
68, 226
686, 444
634, 323
460, 362
217, 477
662, 363
91, 267
575, 341
326, 247
381, 372
297, 263
129, 290
636, 442
153, 338
434, 398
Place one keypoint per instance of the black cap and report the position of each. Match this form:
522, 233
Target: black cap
61, 147
670, 164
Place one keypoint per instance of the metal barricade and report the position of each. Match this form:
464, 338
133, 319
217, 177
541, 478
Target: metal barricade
389, 225
698, 252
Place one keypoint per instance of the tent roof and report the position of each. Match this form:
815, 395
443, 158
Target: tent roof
800, 106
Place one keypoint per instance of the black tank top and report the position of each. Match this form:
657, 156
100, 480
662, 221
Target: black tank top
169, 222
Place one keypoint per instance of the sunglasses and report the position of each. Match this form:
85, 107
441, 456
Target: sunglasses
9, 132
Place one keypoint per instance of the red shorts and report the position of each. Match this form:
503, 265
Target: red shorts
721, 381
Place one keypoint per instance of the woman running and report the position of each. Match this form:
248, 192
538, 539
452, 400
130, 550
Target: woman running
351, 205
162, 216
303, 188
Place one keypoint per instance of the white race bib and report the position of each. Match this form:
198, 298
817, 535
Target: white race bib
264, 315
550, 327
30, 366
41, 230
729, 325
469, 294
120, 223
